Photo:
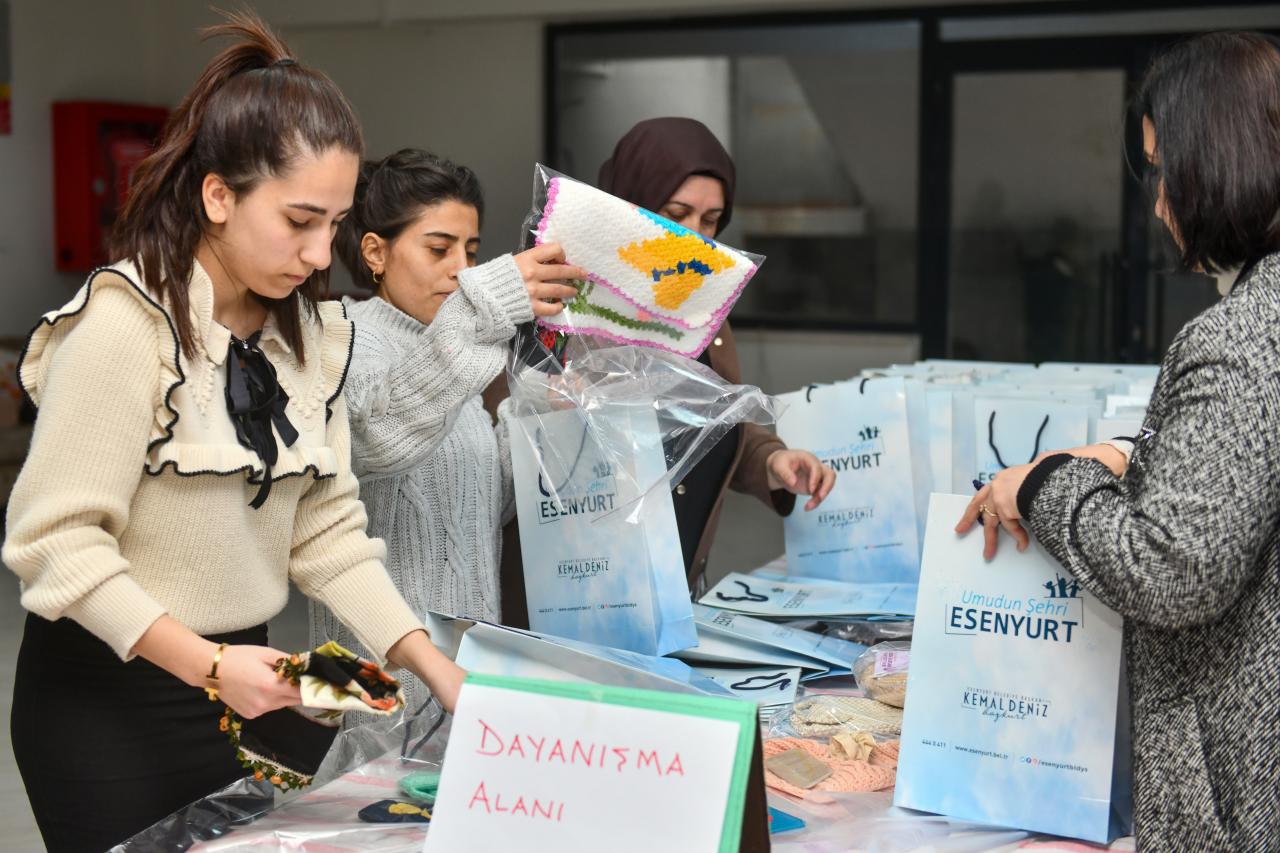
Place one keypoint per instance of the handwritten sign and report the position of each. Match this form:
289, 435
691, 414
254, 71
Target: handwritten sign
574, 767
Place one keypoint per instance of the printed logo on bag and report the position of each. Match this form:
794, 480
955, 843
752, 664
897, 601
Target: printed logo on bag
1054, 618
754, 595
839, 519
597, 495
996, 705
580, 570
862, 455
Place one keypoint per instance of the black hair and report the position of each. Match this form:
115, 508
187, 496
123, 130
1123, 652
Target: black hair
392, 193
1214, 101
252, 114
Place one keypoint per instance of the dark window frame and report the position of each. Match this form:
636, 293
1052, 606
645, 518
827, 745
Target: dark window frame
940, 61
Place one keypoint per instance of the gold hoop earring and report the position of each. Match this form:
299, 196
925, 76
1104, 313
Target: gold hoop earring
377, 279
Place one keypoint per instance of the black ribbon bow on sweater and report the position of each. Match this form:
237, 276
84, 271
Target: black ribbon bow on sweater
255, 401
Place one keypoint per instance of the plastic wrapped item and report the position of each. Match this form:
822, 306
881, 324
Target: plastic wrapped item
822, 716
865, 631
694, 407
365, 766
841, 774
882, 672
650, 281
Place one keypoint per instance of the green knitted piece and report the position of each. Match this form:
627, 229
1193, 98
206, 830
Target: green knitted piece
581, 305
421, 786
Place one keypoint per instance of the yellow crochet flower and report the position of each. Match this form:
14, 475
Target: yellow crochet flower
677, 264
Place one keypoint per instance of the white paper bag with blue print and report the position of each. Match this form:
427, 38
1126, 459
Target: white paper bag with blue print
599, 566
866, 529
991, 433
1013, 693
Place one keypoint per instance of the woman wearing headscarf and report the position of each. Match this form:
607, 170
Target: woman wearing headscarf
677, 168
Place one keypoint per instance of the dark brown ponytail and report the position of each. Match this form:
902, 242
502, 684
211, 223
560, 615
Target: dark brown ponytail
391, 193
251, 114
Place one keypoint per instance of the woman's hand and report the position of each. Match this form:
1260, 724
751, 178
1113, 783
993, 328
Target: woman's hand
544, 272
247, 680
416, 653
249, 684
996, 506
801, 473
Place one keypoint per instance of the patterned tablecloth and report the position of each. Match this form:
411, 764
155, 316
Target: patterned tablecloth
324, 821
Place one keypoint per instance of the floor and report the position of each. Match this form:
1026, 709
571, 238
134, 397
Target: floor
748, 537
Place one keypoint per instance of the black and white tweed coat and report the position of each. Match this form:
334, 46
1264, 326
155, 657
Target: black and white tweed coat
1185, 547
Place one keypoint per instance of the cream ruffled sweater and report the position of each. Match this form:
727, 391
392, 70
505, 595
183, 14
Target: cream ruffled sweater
134, 500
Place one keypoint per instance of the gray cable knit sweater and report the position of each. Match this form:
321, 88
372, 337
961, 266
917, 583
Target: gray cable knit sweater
433, 476
1186, 548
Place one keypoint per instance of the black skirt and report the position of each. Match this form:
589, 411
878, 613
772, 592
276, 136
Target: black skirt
107, 748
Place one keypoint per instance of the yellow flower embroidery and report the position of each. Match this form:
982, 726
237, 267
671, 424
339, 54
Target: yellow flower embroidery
677, 264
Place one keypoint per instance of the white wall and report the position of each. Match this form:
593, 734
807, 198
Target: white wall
602, 100
468, 91
58, 56
461, 76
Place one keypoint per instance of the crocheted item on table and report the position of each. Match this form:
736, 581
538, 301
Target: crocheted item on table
824, 716
886, 754
846, 776
852, 746
651, 282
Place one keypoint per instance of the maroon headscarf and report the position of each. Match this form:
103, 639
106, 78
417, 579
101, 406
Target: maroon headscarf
657, 155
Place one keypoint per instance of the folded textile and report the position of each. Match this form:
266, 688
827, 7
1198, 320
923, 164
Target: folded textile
393, 811
853, 746
824, 716
286, 746
421, 786
846, 776
886, 754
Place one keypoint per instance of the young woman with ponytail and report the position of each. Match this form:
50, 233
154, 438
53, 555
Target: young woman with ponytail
191, 457
435, 333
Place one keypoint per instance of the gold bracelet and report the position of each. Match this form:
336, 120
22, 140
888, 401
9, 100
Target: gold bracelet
211, 680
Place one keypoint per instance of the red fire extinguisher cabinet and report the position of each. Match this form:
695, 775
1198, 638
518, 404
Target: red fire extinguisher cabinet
96, 147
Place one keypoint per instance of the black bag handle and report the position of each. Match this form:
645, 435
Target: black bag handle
991, 439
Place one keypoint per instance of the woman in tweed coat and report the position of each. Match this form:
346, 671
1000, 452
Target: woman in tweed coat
1181, 537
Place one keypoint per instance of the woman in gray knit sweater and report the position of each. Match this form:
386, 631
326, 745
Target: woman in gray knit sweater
1182, 536
434, 334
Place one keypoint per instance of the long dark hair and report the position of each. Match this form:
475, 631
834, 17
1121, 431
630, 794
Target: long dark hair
391, 193
1215, 103
251, 114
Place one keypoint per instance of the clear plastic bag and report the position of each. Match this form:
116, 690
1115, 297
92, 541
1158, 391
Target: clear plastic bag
865, 631
364, 766
650, 281
694, 408
823, 716
881, 672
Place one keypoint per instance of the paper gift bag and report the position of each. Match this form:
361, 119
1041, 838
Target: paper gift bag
866, 530
991, 433
1012, 696
598, 565
498, 650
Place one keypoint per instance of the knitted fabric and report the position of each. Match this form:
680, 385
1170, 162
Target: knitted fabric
853, 746
886, 754
824, 716
133, 501
651, 282
432, 472
846, 776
